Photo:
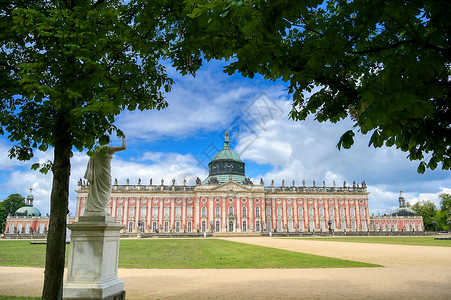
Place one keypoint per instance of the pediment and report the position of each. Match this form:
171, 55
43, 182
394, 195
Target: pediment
231, 186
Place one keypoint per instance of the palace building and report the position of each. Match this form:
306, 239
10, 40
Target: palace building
228, 201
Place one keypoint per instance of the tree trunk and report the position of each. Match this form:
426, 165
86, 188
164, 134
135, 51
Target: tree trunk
56, 239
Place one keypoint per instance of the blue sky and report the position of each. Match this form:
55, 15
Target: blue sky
179, 141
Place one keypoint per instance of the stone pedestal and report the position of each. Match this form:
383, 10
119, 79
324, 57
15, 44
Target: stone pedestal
93, 259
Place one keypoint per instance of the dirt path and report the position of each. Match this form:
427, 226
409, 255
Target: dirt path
415, 272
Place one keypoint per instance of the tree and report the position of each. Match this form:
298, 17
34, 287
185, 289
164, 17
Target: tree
383, 63
445, 208
428, 211
9, 206
67, 69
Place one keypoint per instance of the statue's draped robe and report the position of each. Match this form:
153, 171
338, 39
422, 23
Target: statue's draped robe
98, 174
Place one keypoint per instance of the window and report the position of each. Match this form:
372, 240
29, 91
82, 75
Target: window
388, 225
257, 226
204, 212
279, 212
419, 226
177, 226
364, 225
218, 226
203, 227
269, 227
130, 226
230, 210
323, 226
310, 212
218, 211
178, 212
407, 226
343, 225
166, 226
11, 228
244, 212
143, 212
321, 212
190, 212
378, 226
131, 212
352, 212
301, 213
342, 211
395, 226
154, 226
142, 226
301, 226
279, 226
354, 227
362, 212
290, 226
257, 212
166, 212
312, 226
383, 226
244, 226
155, 212
290, 212
27, 228
190, 226
41, 228
108, 210
268, 212
331, 212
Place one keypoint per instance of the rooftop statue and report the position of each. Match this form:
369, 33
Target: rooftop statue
98, 174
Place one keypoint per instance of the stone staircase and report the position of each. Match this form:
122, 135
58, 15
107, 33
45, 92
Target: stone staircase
236, 234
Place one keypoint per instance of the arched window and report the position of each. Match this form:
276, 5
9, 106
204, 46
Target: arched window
203, 227
154, 226
132, 212
268, 226
155, 212
130, 226
342, 211
166, 212
364, 225
166, 226
279, 212
353, 212
407, 226
41, 228
190, 226
323, 226
268, 211
27, 228
257, 226
290, 212
257, 212
244, 226
395, 226
331, 212
419, 226
290, 226
301, 226
301, 212
218, 226
19, 228
204, 212
218, 211
354, 227
310, 212
11, 228
119, 212
321, 212
230, 210
312, 226
244, 212
142, 226
190, 212
177, 226
178, 212
383, 226
343, 225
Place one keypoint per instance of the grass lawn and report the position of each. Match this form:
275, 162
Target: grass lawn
184, 254
398, 240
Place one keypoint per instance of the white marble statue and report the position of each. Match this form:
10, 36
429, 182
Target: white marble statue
98, 174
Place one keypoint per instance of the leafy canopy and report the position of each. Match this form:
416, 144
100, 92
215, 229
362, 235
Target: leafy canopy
83, 60
9, 206
386, 64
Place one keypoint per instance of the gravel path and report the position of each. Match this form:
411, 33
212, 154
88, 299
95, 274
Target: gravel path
409, 272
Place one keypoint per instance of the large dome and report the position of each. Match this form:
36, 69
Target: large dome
403, 210
28, 211
226, 166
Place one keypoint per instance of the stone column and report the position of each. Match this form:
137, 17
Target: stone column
149, 211
224, 214
93, 260
160, 213
316, 214
238, 214
113, 210
172, 215
274, 213
196, 214
251, 213
211, 212
138, 211
183, 213
126, 213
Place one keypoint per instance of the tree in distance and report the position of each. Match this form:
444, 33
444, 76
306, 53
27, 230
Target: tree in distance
9, 206
431, 214
67, 68
385, 64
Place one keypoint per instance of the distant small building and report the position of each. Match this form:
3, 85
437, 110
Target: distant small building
402, 219
27, 220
